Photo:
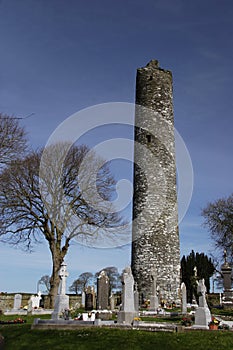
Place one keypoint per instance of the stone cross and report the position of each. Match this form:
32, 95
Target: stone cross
183, 298
62, 300
63, 274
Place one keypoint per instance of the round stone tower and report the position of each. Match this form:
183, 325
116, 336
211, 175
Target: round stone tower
155, 246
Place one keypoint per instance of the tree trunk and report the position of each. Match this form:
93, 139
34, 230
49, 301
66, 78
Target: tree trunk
57, 260
58, 255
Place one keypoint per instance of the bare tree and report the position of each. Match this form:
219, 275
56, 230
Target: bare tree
47, 202
12, 139
76, 287
85, 279
45, 280
219, 220
81, 283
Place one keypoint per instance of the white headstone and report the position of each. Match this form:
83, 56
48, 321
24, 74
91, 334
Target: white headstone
17, 301
35, 300
202, 313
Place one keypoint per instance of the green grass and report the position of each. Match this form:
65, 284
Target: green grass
21, 337
223, 312
161, 319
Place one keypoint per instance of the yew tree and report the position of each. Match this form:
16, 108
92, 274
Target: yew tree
48, 203
204, 269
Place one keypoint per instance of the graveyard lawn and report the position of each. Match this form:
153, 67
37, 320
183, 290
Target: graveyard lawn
22, 337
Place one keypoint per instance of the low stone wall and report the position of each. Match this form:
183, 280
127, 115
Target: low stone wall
7, 300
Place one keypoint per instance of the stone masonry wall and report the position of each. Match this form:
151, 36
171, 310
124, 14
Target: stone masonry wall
155, 245
7, 300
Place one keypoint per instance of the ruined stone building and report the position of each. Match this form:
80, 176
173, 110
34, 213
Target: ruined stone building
155, 246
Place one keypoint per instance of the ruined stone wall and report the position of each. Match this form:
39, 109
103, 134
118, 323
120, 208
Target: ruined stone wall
155, 245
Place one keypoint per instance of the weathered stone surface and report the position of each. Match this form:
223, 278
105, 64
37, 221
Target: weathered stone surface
202, 313
183, 298
102, 291
128, 311
90, 298
62, 300
155, 228
154, 302
7, 301
17, 301
226, 270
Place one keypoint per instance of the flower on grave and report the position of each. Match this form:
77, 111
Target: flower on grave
214, 321
187, 321
137, 319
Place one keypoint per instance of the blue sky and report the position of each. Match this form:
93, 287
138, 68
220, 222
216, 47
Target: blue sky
58, 57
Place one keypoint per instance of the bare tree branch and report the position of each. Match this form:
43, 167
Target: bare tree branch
12, 140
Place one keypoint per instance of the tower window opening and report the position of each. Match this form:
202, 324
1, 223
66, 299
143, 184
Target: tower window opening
148, 138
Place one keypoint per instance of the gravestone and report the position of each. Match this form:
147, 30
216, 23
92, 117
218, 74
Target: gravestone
89, 301
17, 301
29, 309
62, 300
83, 299
154, 301
127, 312
202, 313
183, 298
102, 291
90, 298
112, 302
35, 300
226, 269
